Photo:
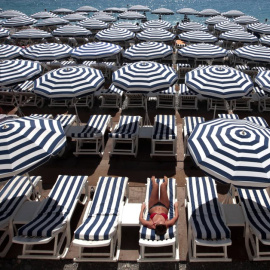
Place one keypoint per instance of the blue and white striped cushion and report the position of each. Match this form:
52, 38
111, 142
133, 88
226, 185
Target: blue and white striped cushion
190, 122
228, 116
206, 220
114, 90
95, 127
36, 115
185, 91
169, 91
13, 193
257, 120
102, 219
56, 208
164, 128
65, 119
257, 206
260, 92
146, 233
127, 127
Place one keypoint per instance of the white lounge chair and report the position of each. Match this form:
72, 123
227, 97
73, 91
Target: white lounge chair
135, 100
258, 120
206, 221
164, 137
112, 98
263, 99
12, 196
126, 132
148, 237
52, 220
91, 134
256, 207
101, 225
187, 99
67, 120
167, 98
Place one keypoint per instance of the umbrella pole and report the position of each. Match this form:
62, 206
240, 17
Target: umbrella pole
33, 187
17, 104
76, 111
146, 118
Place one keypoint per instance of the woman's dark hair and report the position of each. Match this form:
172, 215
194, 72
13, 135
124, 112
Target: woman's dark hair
161, 229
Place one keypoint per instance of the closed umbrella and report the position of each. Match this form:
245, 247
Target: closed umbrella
160, 24
9, 51
156, 34
197, 37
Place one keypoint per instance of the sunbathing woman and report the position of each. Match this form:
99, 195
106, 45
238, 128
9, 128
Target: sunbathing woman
158, 209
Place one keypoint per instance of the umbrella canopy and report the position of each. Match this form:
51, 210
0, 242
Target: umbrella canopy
161, 24
216, 19
238, 36
71, 31
187, 11
51, 22
75, 17
261, 28
19, 21
246, 19
197, 37
139, 8
69, 82
255, 53
202, 51
144, 77
156, 34
7, 14
232, 151
95, 50
114, 35
162, 11
263, 80
131, 15
9, 51
232, 13
26, 143
208, 12
228, 26
128, 25
62, 11
191, 26
219, 82
44, 15
4, 32
86, 9
104, 17
147, 51
31, 34
265, 40
15, 71
114, 10
46, 51
93, 24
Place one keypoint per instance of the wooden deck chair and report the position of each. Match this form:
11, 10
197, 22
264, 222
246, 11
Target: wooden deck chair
150, 243
59, 102
242, 104
52, 221
101, 226
189, 123
87, 101
8, 97
256, 207
112, 98
135, 100
91, 135
164, 137
206, 222
219, 104
263, 99
126, 132
167, 98
228, 116
258, 120
187, 99
12, 196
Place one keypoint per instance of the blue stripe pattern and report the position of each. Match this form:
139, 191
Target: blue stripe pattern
258, 120
228, 116
190, 122
164, 128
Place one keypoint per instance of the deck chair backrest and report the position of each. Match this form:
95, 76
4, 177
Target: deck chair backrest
169, 91
185, 91
56, 208
257, 120
190, 122
150, 234
65, 119
103, 216
228, 116
256, 203
36, 115
164, 127
206, 220
114, 90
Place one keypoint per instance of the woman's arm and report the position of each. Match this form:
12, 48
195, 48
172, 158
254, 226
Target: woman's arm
172, 221
149, 224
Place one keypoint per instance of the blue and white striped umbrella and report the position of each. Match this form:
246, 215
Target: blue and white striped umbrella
191, 26
62, 11
69, 82
255, 53
7, 14
144, 77
46, 51
15, 71
187, 11
261, 28
238, 36
208, 12
4, 32
93, 24
232, 13
160, 24
246, 19
9, 51
156, 34
114, 35
197, 37
128, 25
19, 21
43, 15
131, 15
104, 17
31, 34
148, 51
139, 8
219, 82
95, 50
228, 26
232, 151
263, 80
71, 31
51, 22
216, 19
75, 17
265, 40
26, 143
87, 9
203, 51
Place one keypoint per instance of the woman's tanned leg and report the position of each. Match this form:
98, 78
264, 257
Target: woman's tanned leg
163, 193
154, 193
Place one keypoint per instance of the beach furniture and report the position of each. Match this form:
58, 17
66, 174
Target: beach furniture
125, 136
13, 195
166, 98
219, 104
187, 99
164, 136
206, 222
111, 98
255, 204
51, 221
135, 100
258, 120
90, 137
148, 238
263, 99
101, 226
242, 104
228, 116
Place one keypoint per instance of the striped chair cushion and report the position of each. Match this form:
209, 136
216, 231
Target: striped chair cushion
164, 127
242, 67
257, 207
103, 216
149, 234
206, 220
228, 116
260, 92
56, 207
65, 119
169, 91
95, 127
36, 115
185, 91
127, 127
190, 123
114, 90
13, 193
26, 86
258, 120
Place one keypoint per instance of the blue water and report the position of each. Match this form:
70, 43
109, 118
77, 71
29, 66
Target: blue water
257, 8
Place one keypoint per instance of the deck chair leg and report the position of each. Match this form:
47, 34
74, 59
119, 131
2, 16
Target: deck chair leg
8, 233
